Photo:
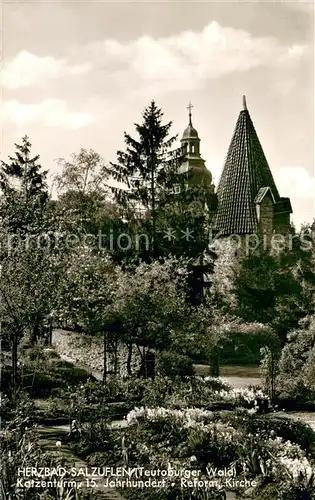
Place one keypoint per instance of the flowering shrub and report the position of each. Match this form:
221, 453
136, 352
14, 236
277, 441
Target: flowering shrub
292, 459
242, 395
199, 392
296, 379
185, 417
195, 438
93, 400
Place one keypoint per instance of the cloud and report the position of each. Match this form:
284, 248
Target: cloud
189, 59
306, 6
50, 112
295, 182
185, 61
297, 50
27, 69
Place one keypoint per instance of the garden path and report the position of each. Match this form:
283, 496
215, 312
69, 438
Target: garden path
49, 435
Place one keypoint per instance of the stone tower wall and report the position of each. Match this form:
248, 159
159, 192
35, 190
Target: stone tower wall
266, 216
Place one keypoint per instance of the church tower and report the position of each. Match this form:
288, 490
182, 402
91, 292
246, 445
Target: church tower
248, 198
194, 164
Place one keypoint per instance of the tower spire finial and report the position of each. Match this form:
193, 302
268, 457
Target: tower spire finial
189, 107
244, 103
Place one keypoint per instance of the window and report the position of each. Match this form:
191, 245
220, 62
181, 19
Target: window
177, 189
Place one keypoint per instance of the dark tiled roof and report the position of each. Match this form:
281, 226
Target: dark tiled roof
283, 206
262, 193
190, 132
245, 172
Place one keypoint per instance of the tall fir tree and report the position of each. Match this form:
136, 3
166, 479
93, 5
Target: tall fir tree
143, 164
24, 191
143, 169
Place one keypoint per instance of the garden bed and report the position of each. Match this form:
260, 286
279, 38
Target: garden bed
272, 453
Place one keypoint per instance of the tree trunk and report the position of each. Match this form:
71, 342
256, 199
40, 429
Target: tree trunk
129, 359
50, 332
115, 355
105, 359
145, 368
35, 333
14, 359
153, 208
215, 364
141, 372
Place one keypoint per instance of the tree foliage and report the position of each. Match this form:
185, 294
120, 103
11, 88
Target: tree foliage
28, 262
141, 168
24, 191
278, 288
84, 205
87, 290
296, 377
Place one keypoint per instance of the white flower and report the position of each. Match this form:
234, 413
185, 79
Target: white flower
58, 444
251, 411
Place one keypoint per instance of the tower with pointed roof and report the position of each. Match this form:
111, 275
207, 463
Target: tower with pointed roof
248, 198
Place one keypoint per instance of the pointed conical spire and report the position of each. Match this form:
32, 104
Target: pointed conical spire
245, 172
244, 103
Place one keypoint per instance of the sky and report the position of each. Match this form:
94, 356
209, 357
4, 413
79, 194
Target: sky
78, 74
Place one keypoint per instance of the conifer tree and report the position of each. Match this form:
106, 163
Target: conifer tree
145, 160
144, 167
24, 190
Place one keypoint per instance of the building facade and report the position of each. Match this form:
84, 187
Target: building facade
247, 200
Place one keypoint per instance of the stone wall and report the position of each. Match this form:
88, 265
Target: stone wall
88, 351
266, 216
282, 223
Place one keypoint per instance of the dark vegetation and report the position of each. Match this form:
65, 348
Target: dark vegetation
160, 298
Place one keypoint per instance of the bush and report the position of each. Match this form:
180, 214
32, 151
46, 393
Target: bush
244, 341
94, 436
281, 492
286, 428
296, 379
20, 446
161, 436
210, 393
268, 426
45, 380
38, 352
114, 391
171, 364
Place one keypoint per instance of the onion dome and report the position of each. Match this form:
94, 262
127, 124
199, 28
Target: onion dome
190, 132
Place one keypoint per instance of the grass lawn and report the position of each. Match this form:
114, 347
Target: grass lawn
231, 371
